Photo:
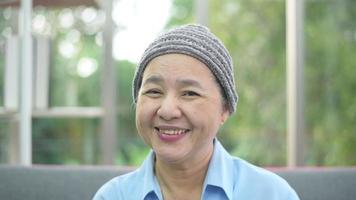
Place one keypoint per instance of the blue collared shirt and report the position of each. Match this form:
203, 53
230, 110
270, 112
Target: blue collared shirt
228, 178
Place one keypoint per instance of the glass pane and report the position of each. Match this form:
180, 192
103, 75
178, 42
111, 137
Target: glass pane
4, 141
7, 139
8, 22
330, 82
76, 49
8, 124
75, 59
65, 141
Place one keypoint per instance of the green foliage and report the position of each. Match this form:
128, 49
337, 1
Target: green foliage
67, 87
253, 31
182, 13
131, 150
330, 83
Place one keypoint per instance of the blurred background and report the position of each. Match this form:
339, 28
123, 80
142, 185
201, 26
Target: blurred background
82, 111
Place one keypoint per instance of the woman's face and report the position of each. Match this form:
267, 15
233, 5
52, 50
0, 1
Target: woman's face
179, 108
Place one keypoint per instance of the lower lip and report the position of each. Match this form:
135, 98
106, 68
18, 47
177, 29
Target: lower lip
170, 138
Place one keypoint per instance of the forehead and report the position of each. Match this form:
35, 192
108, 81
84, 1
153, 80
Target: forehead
173, 65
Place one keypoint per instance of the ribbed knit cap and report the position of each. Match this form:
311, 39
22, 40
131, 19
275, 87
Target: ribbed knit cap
196, 41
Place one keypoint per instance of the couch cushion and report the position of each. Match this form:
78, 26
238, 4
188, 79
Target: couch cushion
53, 183
322, 183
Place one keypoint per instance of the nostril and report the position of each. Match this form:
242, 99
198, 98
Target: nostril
169, 114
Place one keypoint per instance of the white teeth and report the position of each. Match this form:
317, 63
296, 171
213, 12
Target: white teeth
172, 131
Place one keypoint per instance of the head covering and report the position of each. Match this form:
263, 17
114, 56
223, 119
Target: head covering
196, 41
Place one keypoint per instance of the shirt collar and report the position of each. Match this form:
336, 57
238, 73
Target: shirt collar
218, 174
219, 171
150, 183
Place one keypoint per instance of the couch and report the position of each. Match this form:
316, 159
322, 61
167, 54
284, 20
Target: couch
81, 182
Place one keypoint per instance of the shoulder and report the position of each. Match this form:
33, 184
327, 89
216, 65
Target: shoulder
255, 174
118, 187
258, 183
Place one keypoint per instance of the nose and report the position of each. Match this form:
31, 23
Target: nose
169, 108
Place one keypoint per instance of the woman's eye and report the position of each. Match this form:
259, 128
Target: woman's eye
190, 94
152, 93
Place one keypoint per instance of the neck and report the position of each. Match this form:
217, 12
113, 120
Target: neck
178, 180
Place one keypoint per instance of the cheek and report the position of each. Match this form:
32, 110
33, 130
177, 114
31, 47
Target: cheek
140, 114
145, 111
207, 115
143, 121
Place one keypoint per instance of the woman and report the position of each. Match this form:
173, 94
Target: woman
184, 91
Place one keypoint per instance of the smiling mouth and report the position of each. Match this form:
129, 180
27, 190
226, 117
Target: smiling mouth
171, 131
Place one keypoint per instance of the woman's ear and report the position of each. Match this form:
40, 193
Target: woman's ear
224, 115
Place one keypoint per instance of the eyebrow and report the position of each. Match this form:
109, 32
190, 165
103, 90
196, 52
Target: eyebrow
153, 79
156, 79
189, 82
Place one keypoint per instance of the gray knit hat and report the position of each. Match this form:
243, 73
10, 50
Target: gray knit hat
196, 41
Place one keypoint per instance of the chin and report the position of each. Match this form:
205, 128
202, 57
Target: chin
169, 155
